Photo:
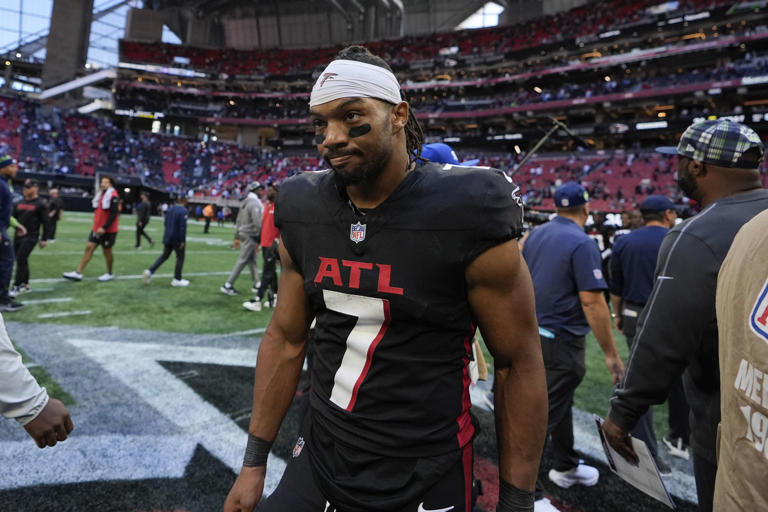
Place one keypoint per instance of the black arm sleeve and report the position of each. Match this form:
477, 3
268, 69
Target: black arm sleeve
114, 206
671, 328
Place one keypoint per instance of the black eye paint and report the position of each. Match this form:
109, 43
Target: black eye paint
319, 139
359, 131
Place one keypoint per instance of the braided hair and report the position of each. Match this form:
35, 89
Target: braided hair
414, 135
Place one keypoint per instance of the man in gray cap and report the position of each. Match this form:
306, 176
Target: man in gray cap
247, 233
718, 167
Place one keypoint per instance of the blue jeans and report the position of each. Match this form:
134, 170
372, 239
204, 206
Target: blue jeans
6, 267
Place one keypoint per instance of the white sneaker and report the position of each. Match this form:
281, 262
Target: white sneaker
581, 474
544, 505
676, 447
106, 277
253, 305
180, 282
228, 289
73, 276
146, 277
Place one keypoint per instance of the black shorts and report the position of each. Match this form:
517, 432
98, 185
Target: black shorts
298, 490
107, 240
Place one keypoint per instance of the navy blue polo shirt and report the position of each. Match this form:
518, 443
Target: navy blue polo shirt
175, 225
563, 261
633, 263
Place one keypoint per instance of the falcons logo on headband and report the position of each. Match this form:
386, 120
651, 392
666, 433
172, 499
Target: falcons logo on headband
327, 76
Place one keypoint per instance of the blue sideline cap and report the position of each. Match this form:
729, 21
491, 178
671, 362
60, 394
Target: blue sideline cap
718, 142
442, 153
570, 194
6, 160
656, 203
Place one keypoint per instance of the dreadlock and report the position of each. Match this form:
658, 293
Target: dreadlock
414, 135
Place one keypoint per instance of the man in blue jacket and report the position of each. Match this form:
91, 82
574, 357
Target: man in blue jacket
8, 170
174, 239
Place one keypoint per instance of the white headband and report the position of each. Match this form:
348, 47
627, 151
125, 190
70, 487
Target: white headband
353, 79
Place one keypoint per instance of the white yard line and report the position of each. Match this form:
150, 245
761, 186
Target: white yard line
135, 252
242, 333
134, 276
46, 301
65, 313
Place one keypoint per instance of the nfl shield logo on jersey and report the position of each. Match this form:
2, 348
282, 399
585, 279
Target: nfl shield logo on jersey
357, 232
758, 320
299, 446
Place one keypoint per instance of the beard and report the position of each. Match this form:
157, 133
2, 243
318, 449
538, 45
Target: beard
687, 184
372, 167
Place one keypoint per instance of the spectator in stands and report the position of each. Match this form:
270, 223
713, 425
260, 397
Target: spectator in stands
8, 170
143, 214
247, 238
106, 206
45, 419
270, 236
174, 240
55, 209
32, 213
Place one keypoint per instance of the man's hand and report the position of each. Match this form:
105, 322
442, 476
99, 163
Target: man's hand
101, 231
53, 424
21, 230
246, 492
616, 367
236, 244
43, 243
618, 321
139, 224
181, 245
619, 440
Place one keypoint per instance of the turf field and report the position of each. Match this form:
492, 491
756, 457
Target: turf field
126, 302
158, 380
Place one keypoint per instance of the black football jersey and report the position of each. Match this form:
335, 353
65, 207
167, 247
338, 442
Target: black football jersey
393, 325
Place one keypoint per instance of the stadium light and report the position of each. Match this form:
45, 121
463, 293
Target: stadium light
18, 55
537, 89
607, 78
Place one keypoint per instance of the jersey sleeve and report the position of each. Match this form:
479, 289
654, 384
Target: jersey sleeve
498, 214
588, 267
294, 204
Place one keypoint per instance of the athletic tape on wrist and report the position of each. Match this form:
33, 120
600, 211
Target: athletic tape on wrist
256, 452
512, 499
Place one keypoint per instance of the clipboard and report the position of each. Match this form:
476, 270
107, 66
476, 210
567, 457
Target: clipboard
644, 476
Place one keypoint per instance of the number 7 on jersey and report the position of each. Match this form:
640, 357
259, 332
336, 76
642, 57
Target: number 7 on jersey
372, 322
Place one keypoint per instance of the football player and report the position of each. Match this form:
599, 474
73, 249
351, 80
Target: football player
397, 261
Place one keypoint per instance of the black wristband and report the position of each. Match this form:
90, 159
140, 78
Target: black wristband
512, 499
256, 452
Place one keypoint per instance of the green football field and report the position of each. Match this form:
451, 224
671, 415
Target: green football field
199, 308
